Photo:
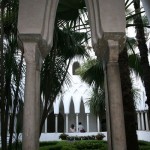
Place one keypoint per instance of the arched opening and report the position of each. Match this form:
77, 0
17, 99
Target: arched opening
71, 115
75, 66
82, 115
51, 123
61, 117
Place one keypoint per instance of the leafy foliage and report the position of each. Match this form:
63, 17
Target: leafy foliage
68, 44
92, 72
12, 69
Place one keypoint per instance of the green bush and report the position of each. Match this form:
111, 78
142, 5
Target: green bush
89, 145
45, 147
48, 143
84, 145
100, 136
144, 145
55, 147
63, 136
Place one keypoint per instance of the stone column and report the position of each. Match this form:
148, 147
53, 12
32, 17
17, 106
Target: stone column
46, 125
15, 123
87, 119
77, 121
139, 120
142, 120
31, 115
56, 123
107, 109
98, 124
146, 121
116, 119
67, 123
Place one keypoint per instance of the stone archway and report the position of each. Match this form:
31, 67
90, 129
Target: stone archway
60, 123
71, 115
82, 115
108, 31
51, 123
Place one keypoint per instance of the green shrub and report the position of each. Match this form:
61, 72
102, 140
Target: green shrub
145, 147
85, 145
48, 143
55, 147
144, 143
63, 136
45, 147
89, 145
100, 136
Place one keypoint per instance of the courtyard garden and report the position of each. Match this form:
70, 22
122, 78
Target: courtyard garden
71, 40
80, 145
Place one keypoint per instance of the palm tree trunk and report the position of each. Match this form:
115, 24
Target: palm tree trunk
140, 36
128, 102
2, 91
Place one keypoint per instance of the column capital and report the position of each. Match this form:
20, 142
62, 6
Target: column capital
32, 54
113, 53
40, 43
107, 42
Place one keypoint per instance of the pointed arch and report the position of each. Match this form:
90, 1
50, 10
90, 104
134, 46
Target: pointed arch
82, 106
71, 115
93, 8
61, 107
51, 123
102, 26
71, 107
37, 26
61, 117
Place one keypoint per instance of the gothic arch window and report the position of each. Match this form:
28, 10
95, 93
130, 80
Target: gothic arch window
75, 66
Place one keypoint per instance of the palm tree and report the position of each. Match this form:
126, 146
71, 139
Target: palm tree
11, 67
68, 43
128, 102
92, 73
140, 37
2, 102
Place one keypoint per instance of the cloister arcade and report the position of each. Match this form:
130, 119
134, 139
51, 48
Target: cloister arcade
72, 107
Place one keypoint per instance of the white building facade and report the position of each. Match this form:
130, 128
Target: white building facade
71, 107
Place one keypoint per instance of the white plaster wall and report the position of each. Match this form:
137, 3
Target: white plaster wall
55, 136
142, 135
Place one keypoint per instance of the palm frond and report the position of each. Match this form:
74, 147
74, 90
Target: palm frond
134, 63
92, 72
97, 102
